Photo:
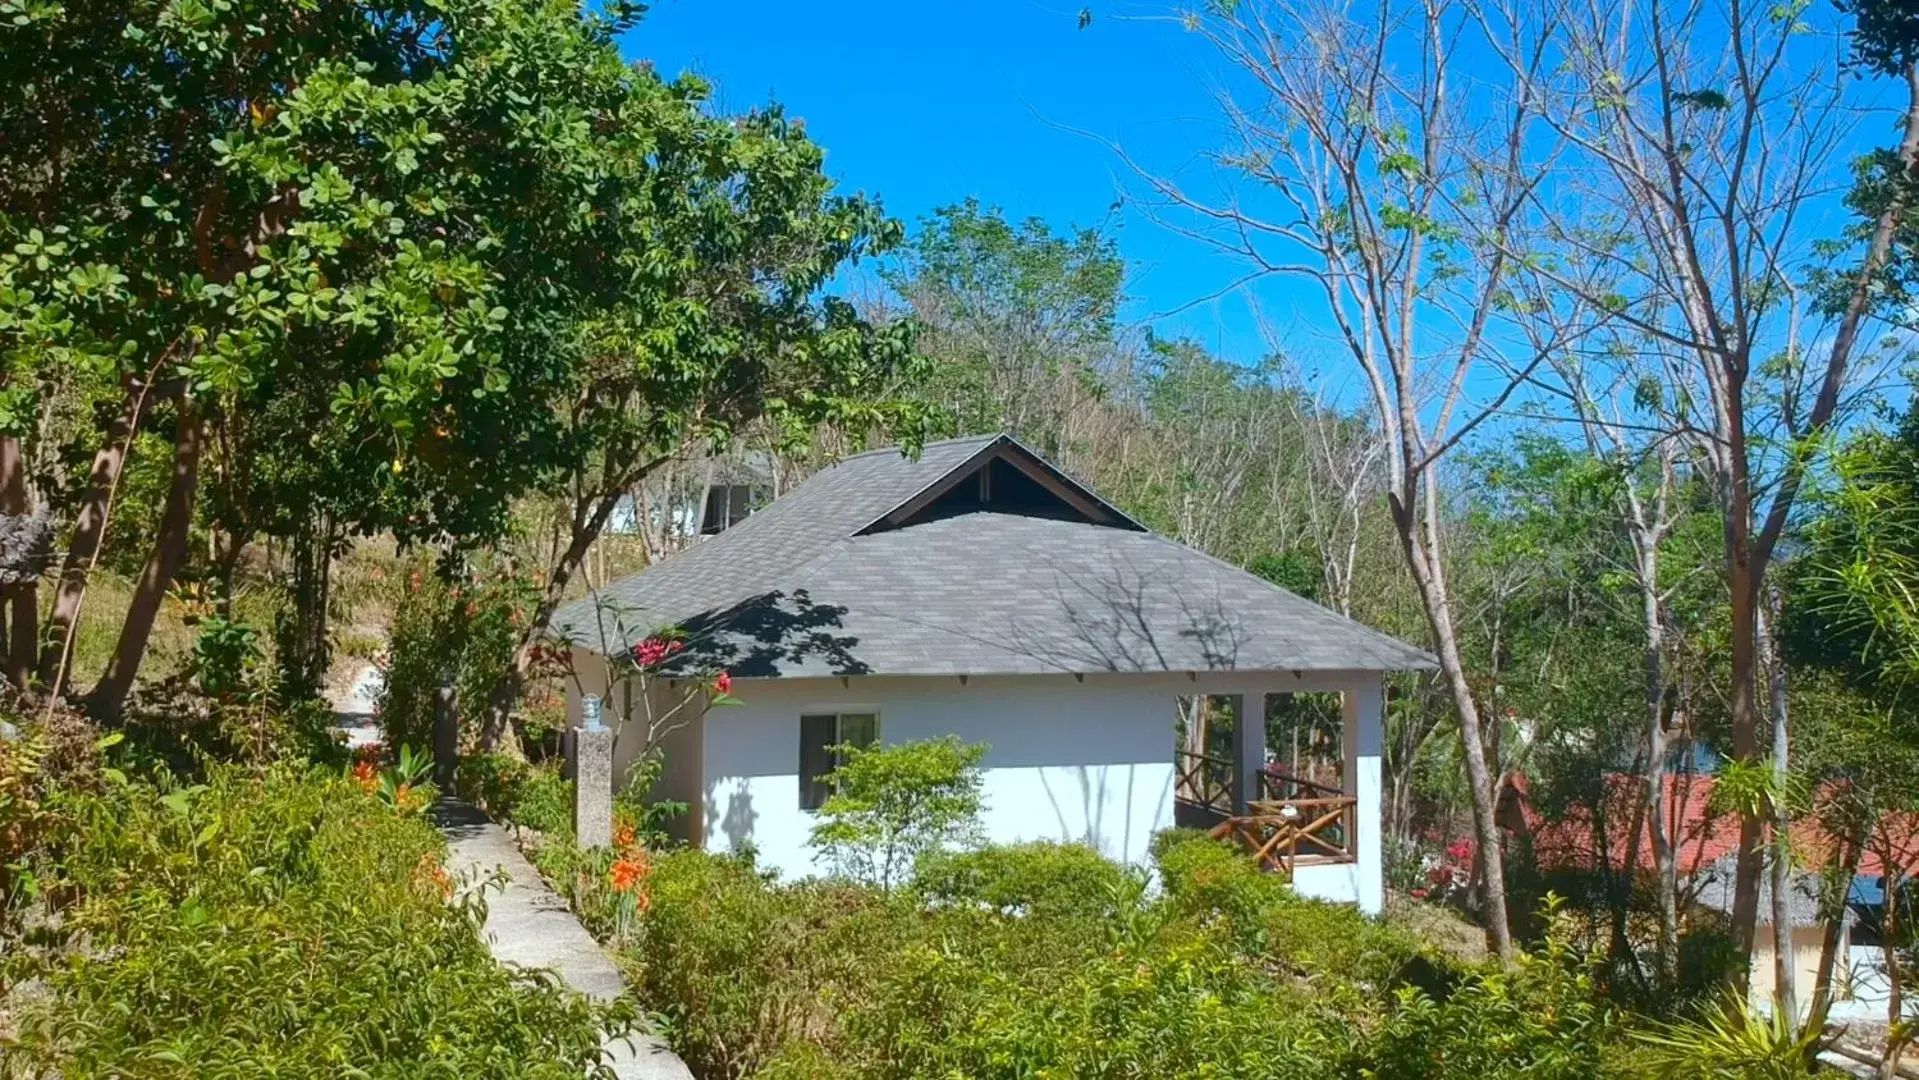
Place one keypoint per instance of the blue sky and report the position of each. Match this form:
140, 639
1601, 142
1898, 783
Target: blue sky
1007, 101
928, 104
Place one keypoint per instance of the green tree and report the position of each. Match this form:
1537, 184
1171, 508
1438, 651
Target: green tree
730, 331
893, 803
364, 231
1022, 320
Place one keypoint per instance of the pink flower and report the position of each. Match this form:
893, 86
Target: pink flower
652, 652
723, 683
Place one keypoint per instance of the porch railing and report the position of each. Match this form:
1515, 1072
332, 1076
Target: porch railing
1204, 781
1280, 832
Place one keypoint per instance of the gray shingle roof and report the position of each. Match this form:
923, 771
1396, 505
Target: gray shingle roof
796, 590
1802, 894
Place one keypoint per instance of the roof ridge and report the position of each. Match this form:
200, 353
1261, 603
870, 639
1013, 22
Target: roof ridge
900, 449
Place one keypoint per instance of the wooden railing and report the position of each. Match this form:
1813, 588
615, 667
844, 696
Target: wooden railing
1279, 832
1278, 785
1204, 780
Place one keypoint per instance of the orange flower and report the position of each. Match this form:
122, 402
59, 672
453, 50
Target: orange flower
623, 834
430, 875
365, 773
627, 872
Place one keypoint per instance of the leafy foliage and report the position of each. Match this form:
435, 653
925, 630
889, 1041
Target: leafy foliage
461, 632
1013, 971
1728, 1043
891, 804
1541, 1020
1041, 878
279, 922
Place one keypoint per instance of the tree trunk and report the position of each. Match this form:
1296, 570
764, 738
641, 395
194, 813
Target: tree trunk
1896, 1036
586, 529
1833, 910
1784, 971
304, 645
1666, 956
19, 632
1427, 576
169, 552
1742, 587
89, 531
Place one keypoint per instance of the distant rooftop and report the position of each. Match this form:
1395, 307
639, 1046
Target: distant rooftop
975, 557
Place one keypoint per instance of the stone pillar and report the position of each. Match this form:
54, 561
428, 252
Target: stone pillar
1249, 748
1364, 708
593, 787
446, 739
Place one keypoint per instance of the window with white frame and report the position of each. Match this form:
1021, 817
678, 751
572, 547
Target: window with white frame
820, 733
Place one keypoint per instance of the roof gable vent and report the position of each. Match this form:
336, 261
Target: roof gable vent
1004, 478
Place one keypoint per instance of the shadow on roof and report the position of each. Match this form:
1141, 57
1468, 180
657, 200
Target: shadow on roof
759, 636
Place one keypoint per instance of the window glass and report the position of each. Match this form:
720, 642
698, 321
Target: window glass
819, 733
859, 729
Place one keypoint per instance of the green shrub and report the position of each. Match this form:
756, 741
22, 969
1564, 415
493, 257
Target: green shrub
743, 968
545, 801
992, 998
1041, 878
1320, 939
1207, 877
276, 923
1540, 1021
464, 631
492, 782
891, 804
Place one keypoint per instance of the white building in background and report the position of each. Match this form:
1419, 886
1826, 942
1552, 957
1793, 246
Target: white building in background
977, 591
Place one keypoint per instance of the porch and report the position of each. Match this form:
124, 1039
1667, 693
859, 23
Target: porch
1276, 780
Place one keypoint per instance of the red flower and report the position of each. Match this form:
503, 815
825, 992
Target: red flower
653, 651
723, 683
1419, 894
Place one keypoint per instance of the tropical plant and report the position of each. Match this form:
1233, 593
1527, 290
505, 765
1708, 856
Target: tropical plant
1729, 1042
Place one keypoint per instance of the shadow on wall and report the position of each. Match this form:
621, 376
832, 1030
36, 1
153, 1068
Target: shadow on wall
736, 821
1094, 783
755, 637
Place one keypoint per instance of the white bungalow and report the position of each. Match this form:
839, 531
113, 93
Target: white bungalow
978, 591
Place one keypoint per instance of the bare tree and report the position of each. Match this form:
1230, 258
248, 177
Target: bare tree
1365, 163
1629, 429
1697, 138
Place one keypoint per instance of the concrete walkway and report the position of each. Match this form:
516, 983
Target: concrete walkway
527, 925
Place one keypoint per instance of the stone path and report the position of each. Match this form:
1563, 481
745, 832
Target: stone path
528, 925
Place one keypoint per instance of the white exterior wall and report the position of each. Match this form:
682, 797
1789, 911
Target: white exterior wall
1087, 761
